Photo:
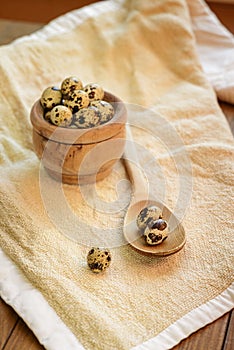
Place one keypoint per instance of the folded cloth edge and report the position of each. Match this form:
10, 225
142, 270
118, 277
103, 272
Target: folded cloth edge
53, 333
20, 294
214, 38
66, 339
191, 322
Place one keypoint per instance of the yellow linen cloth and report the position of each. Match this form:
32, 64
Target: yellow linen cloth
144, 52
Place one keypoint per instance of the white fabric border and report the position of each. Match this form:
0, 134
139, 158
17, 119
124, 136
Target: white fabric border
33, 308
191, 322
53, 334
30, 304
215, 46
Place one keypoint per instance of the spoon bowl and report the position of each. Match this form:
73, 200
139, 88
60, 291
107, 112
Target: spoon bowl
173, 243
140, 199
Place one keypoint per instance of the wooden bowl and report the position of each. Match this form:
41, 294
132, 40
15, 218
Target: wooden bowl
79, 156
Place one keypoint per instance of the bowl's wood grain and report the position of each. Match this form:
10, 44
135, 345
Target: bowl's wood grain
79, 156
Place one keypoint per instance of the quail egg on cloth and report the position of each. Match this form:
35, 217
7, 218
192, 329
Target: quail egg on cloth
98, 259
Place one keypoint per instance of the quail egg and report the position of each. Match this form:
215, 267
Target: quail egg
156, 232
147, 215
98, 259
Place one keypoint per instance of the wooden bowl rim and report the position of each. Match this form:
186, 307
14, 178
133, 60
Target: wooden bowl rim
80, 136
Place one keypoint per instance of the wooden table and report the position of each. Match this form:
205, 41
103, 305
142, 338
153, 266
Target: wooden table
14, 333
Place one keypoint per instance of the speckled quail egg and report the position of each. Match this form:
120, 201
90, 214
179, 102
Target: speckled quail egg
61, 116
156, 232
94, 91
70, 84
98, 259
87, 118
51, 97
77, 100
47, 115
147, 215
106, 110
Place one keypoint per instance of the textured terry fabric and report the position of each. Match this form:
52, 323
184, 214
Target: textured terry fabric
144, 52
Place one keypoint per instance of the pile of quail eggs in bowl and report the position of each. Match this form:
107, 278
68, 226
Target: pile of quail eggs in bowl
78, 131
76, 106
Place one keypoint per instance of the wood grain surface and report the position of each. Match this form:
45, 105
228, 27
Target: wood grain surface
39, 11
81, 156
14, 333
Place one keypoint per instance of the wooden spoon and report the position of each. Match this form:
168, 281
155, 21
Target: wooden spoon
140, 199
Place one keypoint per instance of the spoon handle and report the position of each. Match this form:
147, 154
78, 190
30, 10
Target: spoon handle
134, 170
